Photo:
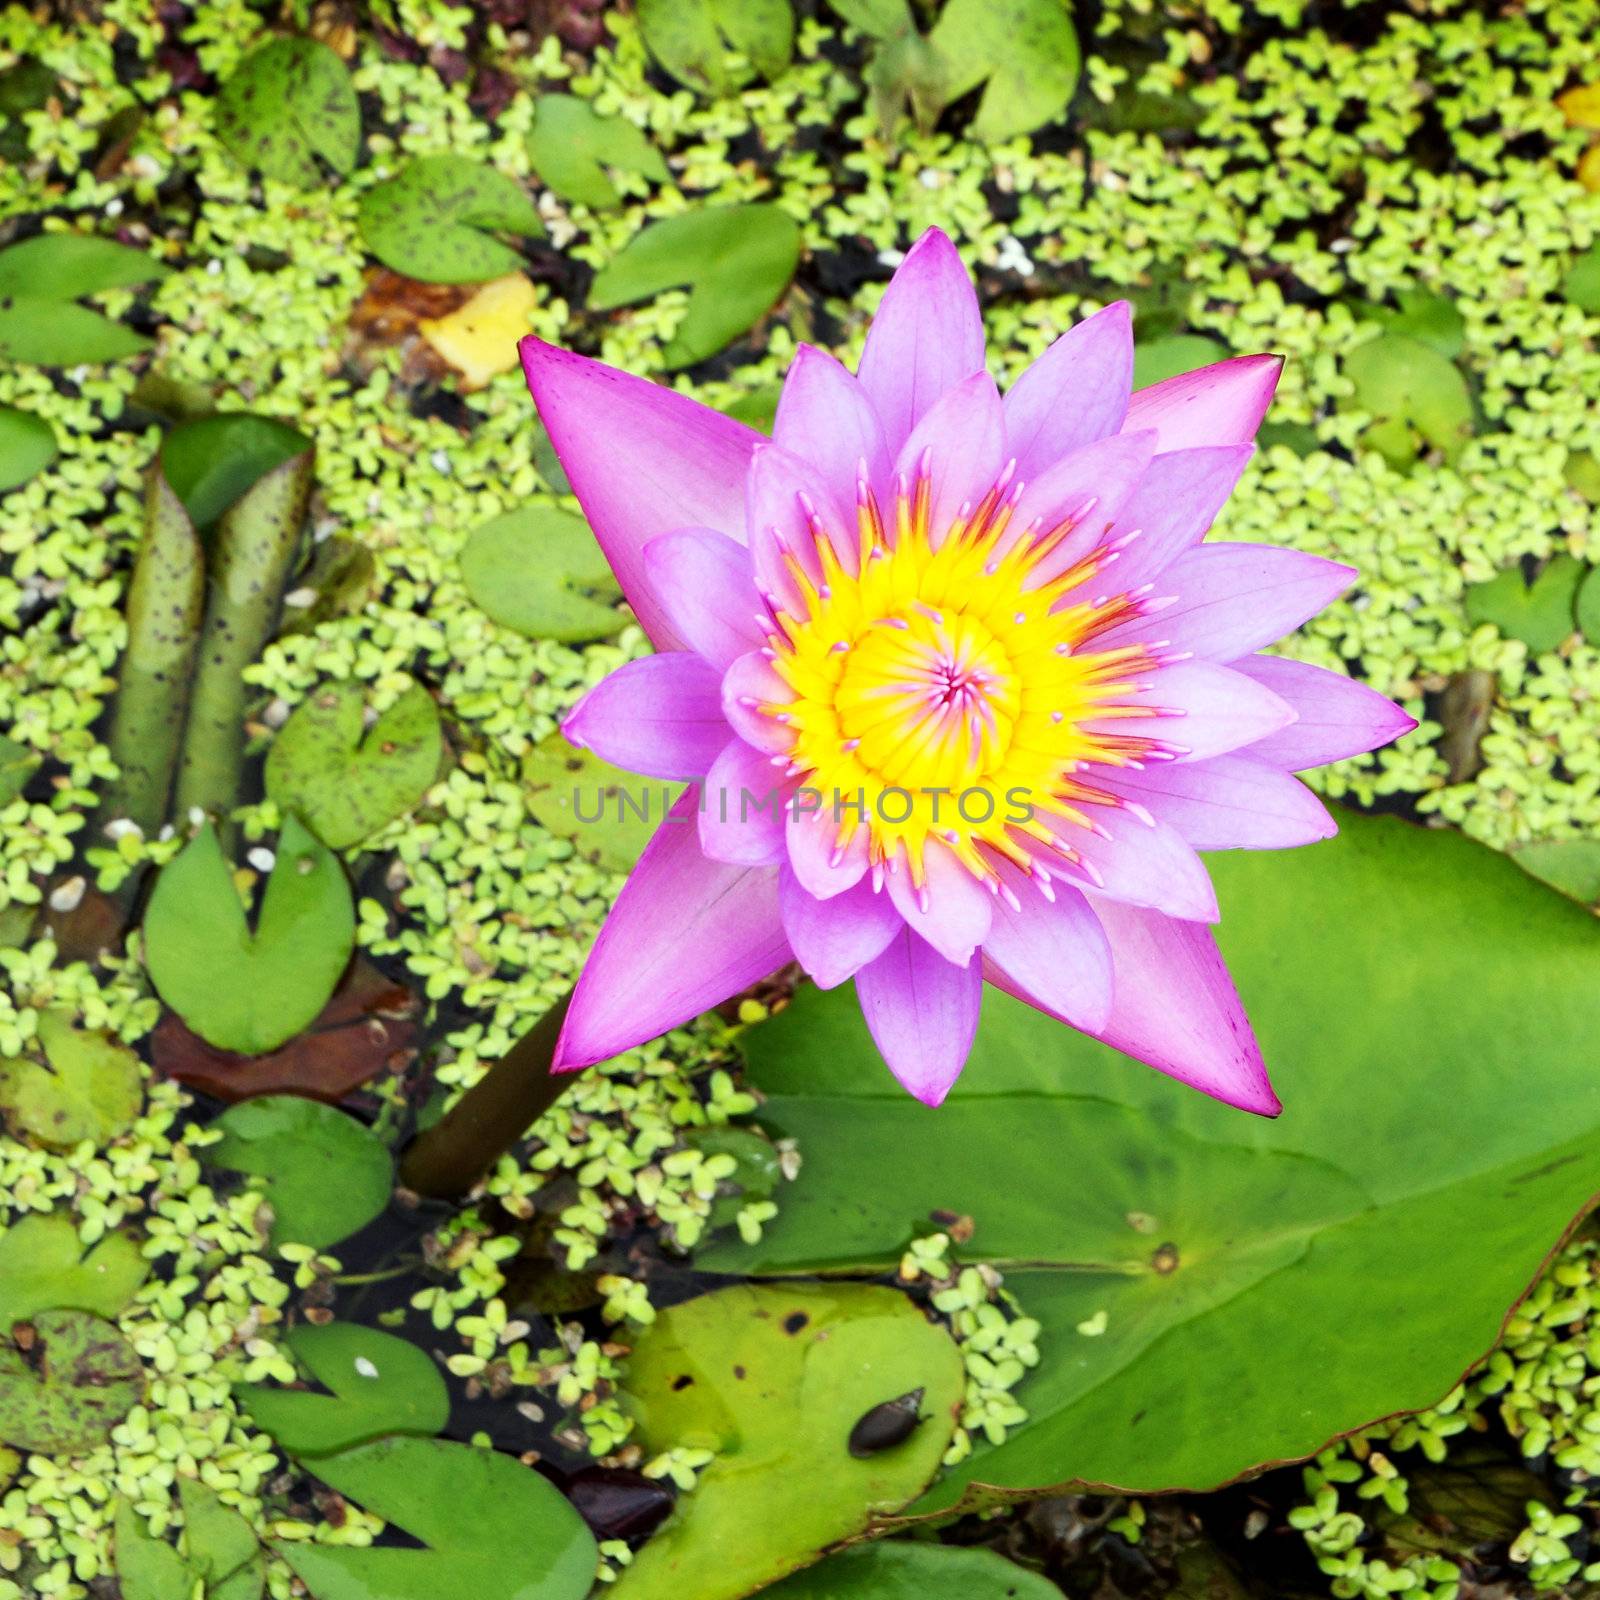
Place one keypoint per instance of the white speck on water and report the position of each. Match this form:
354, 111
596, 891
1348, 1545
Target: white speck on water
261, 858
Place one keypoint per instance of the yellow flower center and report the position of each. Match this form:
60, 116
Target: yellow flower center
944, 682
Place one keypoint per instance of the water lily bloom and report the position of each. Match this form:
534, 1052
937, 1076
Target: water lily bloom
955, 685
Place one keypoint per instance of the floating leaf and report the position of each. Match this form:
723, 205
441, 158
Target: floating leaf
1466, 705
74, 1086
211, 461
1416, 397
522, 1541
692, 38
1586, 607
44, 1266
42, 277
540, 572
18, 763
344, 785
572, 145
905, 66
897, 1569
297, 1146
288, 105
380, 1385
27, 446
479, 339
1287, 1281
67, 1378
1025, 52
775, 1381
607, 813
1159, 359
1421, 315
734, 260
238, 989
221, 1557
1539, 614
436, 220
148, 1568
1570, 865
1582, 284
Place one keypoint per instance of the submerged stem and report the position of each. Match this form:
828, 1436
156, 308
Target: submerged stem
446, 1161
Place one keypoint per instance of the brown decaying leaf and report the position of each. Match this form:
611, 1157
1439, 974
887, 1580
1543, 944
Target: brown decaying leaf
1464, 709
368, 1027
387, 317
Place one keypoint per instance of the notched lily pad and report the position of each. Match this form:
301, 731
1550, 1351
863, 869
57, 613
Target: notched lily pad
44, 1266
289, 105
1416, 397
608, 814
572, 146
692, 39
67, 1378
1156, 360
540, 572
75, 1085
218, 1556
1540, 614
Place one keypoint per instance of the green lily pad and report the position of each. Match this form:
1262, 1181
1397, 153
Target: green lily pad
294, 1144
692, 38
1540, 614
44, 1266
774, 1380
379, 1384
896, 1569
1570, 865
218, 1556
494, 1529
344, 785
608, 814
1421, 315
572, 145
1582, 284
211, 461
18, 763
437, 219
1024, 52
148, 1568
734, 260
1416, 397
242, 990
74, 1382
41, 278
1428, 1013
75, 1086
289, 105
1586, 606
540, 572
27, 446
1159, 359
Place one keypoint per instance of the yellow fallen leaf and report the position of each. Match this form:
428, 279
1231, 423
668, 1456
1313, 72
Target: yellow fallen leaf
480, 338
1581, 106
1589, 168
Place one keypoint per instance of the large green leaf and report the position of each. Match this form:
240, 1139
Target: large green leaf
1540, 613
539, 571
692, 38
42, 277
211, 461
572, 145
775, 1380
898, 1569
1429, 1016
735, 261
494, 1529
43, 1266
220, 1556
27, 446
288, 105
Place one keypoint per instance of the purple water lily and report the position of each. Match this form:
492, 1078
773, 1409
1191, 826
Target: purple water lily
956, 688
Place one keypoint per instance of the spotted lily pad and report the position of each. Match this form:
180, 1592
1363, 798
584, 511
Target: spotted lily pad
67, 1378
1416, 397
27, 446
692, 38
240, 989
377, 1384
347, 786
572, 145
44, 1266
897, 1569
218, 1556
521, 1541
1539, 614
74, 1086
608, 814
540, 572
776, 1381
289, 105
40, 281
437, 219
734, 260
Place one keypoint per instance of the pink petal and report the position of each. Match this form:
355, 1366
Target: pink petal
1093, 486
684, 934
747, 685
926, 337
824, 415
778, 526
642, 459
1174, 1006
1219, 404
1207, 710
707, 589
1075, 393
1141, 862
813, 842
1052, 954
922, 1013
1229, 803
958, 908
833, 939
661, 716
1338, 717
742, 808
963, 438
1178, 500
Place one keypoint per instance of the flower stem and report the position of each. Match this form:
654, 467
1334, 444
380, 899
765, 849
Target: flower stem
446, 1161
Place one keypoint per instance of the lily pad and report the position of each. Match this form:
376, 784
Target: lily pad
1024, 52
27, 446
572, 145
44, 1266
1540, 614
238, 989
1416, 397
41, 278
734, 260
294, 1145
1421, 315
211, 461
775, 1380
18, 763
521, 1541
66, 1382
289, 105
1582, 283
607, 813
346, 786
1570, 865
379, 1385
897, 1569
540, 572
220, 1559
1156, 360
1286, 1281
437, 219
692, 38
76, 1086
